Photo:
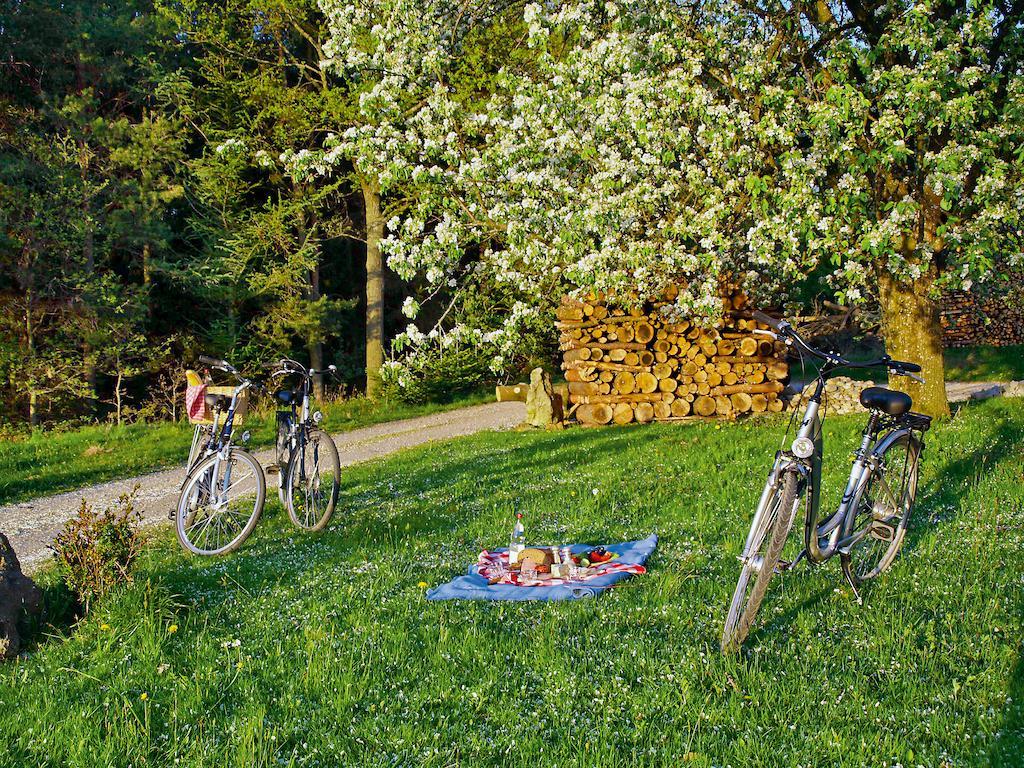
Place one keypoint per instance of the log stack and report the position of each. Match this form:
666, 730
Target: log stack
970, 319
624, 365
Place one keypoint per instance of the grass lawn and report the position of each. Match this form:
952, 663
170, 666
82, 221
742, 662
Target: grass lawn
51, 462
321, 650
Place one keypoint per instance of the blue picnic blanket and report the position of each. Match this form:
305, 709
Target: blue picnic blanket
473, 586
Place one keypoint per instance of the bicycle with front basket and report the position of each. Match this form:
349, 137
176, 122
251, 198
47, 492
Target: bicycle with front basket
868, 528
224, 489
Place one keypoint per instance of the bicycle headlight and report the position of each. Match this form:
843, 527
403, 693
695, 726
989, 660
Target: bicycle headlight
803, 448
317, 417
246, 436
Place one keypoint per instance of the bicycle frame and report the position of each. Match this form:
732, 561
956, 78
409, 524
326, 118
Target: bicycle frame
220, 439
833, 535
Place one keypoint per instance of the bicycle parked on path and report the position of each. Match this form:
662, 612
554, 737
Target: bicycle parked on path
868, 528
308, 466
224, 489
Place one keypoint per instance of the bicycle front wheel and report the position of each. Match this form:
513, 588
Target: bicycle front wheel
220, 504
883, 511
767, 540
312, 481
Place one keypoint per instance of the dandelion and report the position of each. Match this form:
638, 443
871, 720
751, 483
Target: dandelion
144, 696
104, 627
422, 585
172, 629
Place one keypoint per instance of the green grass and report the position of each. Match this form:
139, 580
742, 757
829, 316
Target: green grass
321, 650
985, 363
51, 462
966, 364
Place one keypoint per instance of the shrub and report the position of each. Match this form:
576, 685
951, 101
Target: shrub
95, 552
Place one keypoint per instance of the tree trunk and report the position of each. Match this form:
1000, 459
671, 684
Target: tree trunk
316, 348
913, 332
374, 288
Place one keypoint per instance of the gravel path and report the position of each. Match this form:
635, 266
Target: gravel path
32, 525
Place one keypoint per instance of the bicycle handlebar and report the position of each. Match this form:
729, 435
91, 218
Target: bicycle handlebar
784, 329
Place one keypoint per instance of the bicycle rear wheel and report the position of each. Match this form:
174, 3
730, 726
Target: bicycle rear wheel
220, 504
312, 481
767, 540
883, 511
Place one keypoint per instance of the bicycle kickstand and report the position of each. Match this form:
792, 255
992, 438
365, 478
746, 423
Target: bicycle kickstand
856, 594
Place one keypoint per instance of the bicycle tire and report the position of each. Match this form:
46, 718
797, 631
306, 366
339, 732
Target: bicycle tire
744, 606
324, 450
194, 493
863, 567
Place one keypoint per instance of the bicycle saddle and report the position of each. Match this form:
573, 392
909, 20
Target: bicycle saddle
286, 396
217, 402
885, 400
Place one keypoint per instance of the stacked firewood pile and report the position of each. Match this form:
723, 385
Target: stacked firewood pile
969, 319
625, 365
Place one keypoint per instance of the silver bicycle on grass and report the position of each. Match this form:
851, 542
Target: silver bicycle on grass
224, 489
308, 466
868, 528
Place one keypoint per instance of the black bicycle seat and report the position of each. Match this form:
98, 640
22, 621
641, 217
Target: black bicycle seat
217, 402
286, 396
886, 401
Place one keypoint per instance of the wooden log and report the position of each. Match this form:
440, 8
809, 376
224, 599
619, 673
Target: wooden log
741, 402
704, 405
667, 385
748, 346
663, 370
591, 323
755, 377
646, 358
575, 344
726, 347
580, 374
511, 393
631, 358
775, 405
723, 405
606, 376
622, 413
759, 403
643, 332
714, 378
644, 413
616, 355
588, 388
778, 370
600, 366
646, 382
597, 413
680, 407
662, 410
661, 345
744, 360
569, 313
750, 389
730, 378
583, 353
624, 382
626, 334
633, 397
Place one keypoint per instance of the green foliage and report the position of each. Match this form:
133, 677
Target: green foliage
96, 552
322, 649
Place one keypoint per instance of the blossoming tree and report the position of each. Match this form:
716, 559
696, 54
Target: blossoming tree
649, 142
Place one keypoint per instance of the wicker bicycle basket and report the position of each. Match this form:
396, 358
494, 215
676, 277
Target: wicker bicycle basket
202, 414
